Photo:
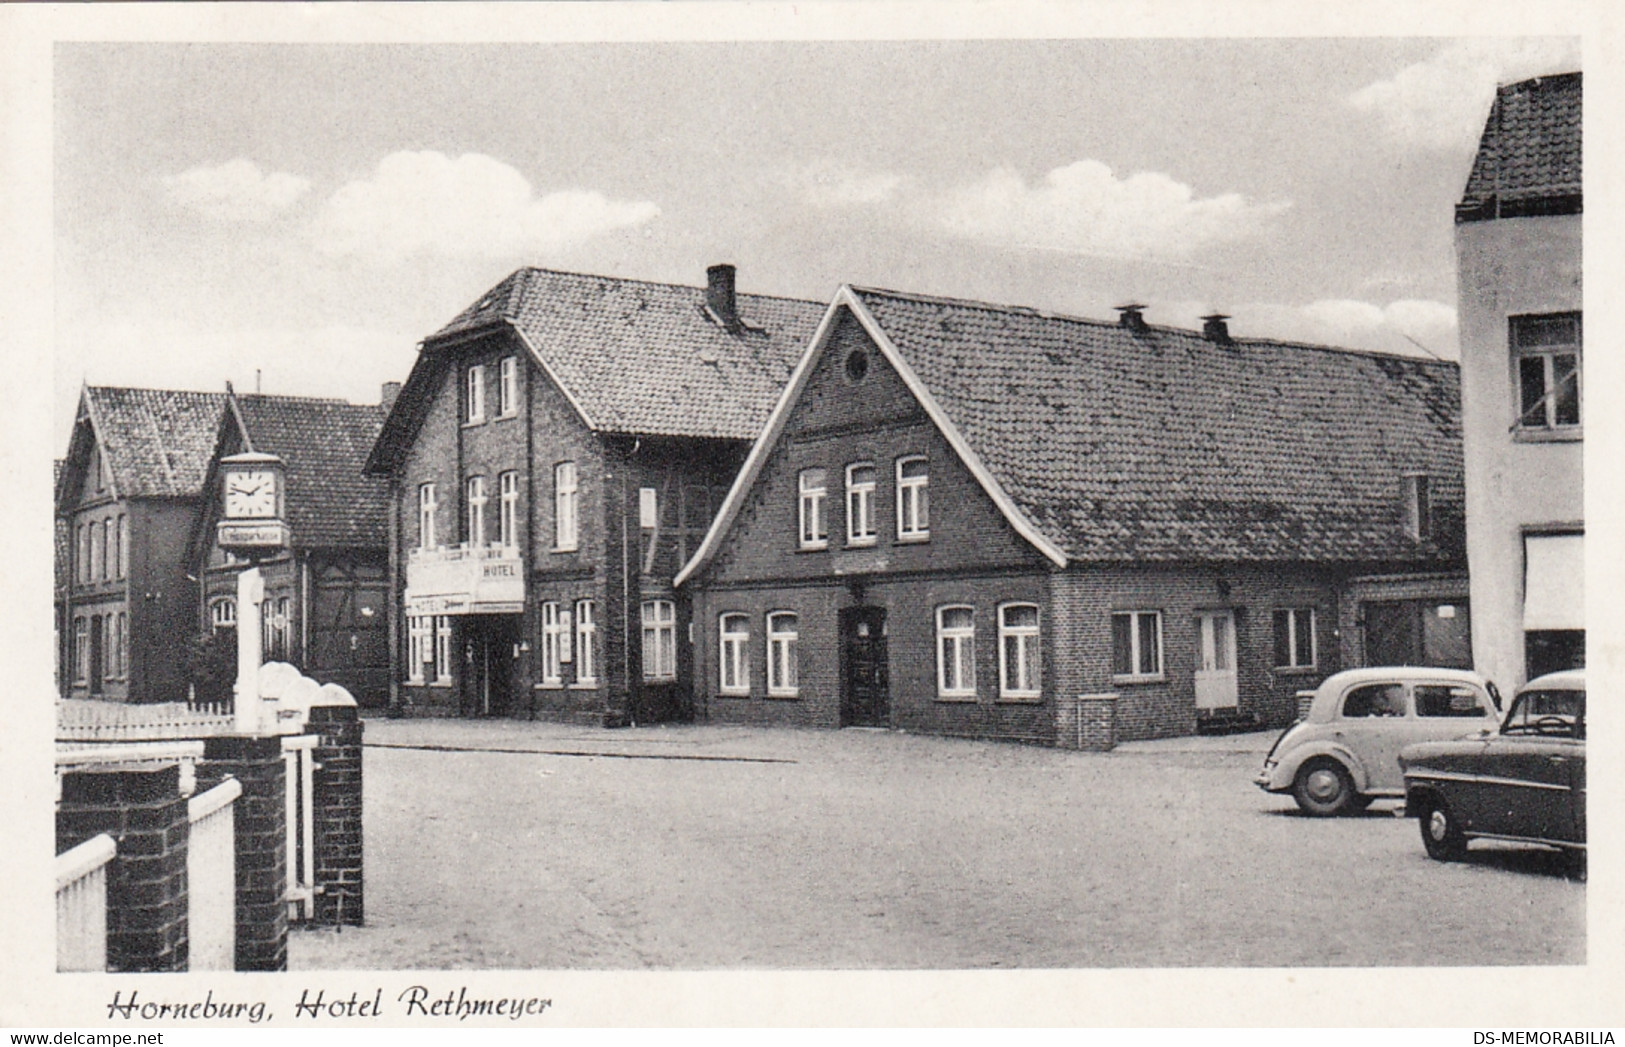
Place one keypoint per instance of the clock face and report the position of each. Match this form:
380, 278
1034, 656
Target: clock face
251, 494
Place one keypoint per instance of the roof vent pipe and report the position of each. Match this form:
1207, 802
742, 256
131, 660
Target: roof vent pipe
1215, 330
388, 395
1131, 316
719, 296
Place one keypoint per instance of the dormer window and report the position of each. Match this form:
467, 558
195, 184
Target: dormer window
1418, 510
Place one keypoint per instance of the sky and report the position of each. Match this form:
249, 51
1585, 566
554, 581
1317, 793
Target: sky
303, 215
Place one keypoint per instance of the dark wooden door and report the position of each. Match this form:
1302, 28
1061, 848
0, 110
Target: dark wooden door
490, 650
865, 681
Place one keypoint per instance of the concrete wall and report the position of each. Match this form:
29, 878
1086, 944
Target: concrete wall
1508, 267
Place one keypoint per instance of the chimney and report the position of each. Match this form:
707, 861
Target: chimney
1215, 330
1131, 316
386, 398
719, 296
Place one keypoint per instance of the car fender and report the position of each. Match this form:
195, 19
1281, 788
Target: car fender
1288, 769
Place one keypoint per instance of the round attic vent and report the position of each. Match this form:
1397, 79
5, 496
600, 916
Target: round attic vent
857, 365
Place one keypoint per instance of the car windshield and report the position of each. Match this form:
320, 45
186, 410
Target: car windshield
1553, 712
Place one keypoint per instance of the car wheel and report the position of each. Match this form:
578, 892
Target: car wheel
1323, 788
1441, 834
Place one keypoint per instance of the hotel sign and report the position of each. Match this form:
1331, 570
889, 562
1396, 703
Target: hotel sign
463, 580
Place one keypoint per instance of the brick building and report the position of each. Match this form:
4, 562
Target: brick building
964, 518
128, 494
1518, 240
326, 606
555, 455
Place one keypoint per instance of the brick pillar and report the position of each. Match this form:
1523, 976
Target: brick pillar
262, 845
337, 802
1096, 725
142, 809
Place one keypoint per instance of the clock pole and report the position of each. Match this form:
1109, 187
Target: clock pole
252, 486
250, 594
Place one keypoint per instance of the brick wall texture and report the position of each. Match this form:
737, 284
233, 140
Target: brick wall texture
337, 811
262, 851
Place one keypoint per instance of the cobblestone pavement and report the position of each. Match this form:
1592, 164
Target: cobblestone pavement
526, 845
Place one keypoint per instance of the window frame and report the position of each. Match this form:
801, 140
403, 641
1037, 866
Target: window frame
508, 387
783, 653
442, 650
812, 502
963, 640
428, 505
81, 650
474, 395
566, 507
1549, 427
553, 637
508, 509
733, 651
123, 547
1291, 616
913, 495
1159, 669
648, 508
223, 613
586, 634
663, 667
861, 495
419, 638
1027, 637
474, 488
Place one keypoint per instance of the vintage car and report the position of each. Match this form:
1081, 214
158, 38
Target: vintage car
1525, 782
1344, 752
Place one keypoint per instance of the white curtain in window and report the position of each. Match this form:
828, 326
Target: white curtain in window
1554, 592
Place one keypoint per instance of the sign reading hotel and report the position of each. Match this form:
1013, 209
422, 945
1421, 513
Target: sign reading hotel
482, 580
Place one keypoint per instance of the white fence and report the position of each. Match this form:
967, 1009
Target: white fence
84, 720
81, 905
211, 873
299, 765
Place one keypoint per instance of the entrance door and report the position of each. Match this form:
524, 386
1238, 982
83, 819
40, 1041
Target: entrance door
489, 650
1215, 660
865, 684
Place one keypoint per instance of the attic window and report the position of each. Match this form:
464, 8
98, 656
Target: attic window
1418, 510
857, 365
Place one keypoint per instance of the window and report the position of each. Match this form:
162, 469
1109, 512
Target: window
734, 662
1295, 638
84, 552
123, 644
508, 515
781, 654
554, 636
1137, 643
1418, 509
1018, 650
98, 465
956, 652
284, 626
586, 634
564, 506
1382, 699
109, 663
419, 629
442, 648
476, 510
913, 499
1546, 352
648, 508
474, 401
1452, 700
81, 650
659, 640
123, 547
508, 387
814, 528
98, 552
223, 613
426, 508
110, 549
860, 504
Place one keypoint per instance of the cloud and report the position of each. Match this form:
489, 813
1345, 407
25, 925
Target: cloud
1397, 327
468, 206
828, 184
1441, 103
1084, 208
236, 191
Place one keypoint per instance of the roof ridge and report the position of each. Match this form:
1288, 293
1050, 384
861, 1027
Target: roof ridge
664, 283
1045, 314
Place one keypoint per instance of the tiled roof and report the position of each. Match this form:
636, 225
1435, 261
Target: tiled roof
156, 441
1530, 149
647, 358
1163, 445
60, 526
324, 444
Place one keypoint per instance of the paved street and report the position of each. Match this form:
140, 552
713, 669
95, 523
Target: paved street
705, 847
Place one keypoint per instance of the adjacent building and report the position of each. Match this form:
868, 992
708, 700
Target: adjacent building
555, 455
1518, 265
127, 495
982, 520
326, 595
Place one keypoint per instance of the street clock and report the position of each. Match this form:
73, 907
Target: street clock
252, 499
